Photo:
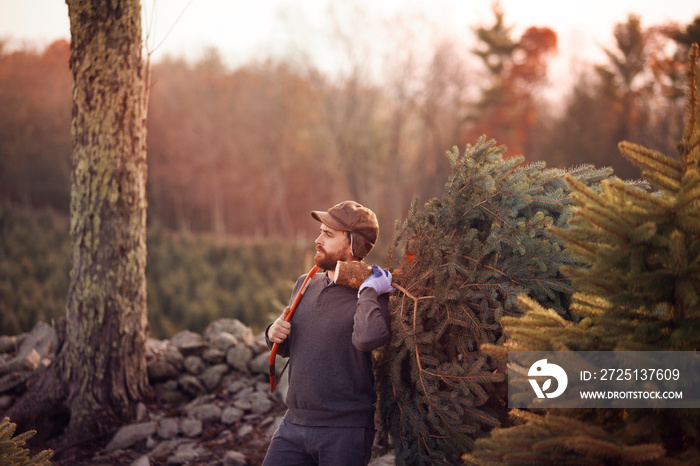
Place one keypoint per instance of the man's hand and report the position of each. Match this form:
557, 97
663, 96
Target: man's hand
280, 328
380, 281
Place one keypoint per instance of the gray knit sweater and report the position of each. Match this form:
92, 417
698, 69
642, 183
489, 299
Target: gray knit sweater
331, 382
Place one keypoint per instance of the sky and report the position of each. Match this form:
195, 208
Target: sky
242, 30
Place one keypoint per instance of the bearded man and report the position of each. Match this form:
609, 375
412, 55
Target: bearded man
331, 396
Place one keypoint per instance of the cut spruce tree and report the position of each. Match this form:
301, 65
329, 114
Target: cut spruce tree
639, 291
465, 258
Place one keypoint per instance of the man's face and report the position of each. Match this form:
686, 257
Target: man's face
331, 246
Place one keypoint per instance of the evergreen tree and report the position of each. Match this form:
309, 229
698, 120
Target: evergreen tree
516, 69
465, 259
689, 36
640, 291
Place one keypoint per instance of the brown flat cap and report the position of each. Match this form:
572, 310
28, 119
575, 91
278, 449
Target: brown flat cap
355, 218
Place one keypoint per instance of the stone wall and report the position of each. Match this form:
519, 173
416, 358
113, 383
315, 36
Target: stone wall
212, 402
211, 406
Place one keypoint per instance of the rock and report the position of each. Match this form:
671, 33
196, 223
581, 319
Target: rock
142, 461
174, 356
155, 348
188, 342
234, 386
231, 415
191, 385
274, 425
168, 428
245, 405
261, 363
264, 387
185, 454
212, 375
260, 403
233, 326
213, 356
252, 417
234, 458
245, 430
152, 442
385, 460
160, 369
206, 413
244, 393
194, 365
171, 384
169, 393
42, 339
141, 412
164, 449
239, 357
191, 427
223, 341
266, 421
130, 435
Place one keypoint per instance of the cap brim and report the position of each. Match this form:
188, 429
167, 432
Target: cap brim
328, 220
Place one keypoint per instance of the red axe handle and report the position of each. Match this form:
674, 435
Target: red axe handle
275, 346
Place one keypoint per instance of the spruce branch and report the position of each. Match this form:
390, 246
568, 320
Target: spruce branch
12, 450
652, 161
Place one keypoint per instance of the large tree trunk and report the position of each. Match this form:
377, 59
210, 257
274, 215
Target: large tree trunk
100, 371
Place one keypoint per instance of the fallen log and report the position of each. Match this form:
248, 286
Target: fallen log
352, 273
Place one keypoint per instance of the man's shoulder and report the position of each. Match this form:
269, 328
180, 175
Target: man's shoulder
318, 279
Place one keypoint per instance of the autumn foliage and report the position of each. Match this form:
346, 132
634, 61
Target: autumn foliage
508, 109
250, 151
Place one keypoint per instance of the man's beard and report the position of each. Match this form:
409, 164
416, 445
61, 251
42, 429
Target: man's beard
328, 261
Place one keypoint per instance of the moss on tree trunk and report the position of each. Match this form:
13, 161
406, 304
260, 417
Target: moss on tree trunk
101, 366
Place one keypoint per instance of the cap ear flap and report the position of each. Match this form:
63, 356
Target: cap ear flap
360, 247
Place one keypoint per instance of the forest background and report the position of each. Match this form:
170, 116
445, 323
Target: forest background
238, 157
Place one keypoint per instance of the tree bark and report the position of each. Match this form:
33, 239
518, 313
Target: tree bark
352, 273
100, 371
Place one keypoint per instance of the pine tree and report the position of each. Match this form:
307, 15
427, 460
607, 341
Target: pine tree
640, 291
465, 259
